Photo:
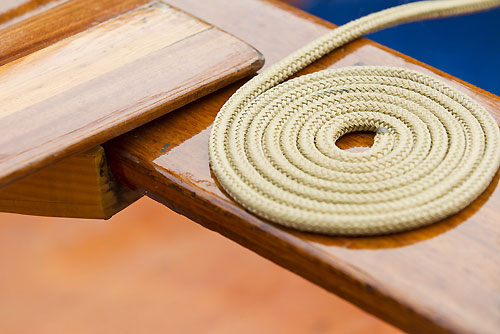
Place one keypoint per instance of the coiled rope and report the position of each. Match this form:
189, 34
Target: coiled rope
272, 145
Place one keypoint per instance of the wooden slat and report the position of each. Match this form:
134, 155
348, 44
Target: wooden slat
24, 32
438, 279
80, 186
12, 11
109, 79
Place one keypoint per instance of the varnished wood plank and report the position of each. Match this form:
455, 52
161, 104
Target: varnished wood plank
107, 80
12, 11
439, 279
23, 32
80, 186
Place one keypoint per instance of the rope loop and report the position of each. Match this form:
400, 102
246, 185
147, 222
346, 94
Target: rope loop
272, 146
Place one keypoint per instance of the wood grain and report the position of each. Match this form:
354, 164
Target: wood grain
12, 11
95, 85
80, 186
444, 278
33, 25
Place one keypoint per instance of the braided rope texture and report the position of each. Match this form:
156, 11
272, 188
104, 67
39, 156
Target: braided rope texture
272, 145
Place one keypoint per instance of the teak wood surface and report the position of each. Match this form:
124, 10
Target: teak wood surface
438, 279
92, 86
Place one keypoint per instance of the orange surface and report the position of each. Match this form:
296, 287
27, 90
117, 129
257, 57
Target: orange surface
149, 270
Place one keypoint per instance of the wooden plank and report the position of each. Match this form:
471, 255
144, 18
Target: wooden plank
12, 11
439, 279
95, 85
80, 186
24, 32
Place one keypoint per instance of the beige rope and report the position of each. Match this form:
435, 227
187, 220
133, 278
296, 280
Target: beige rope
272, 146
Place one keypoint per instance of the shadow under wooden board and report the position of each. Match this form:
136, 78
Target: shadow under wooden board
444, 278
106, 80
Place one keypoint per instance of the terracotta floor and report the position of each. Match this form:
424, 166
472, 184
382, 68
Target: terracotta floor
149, 270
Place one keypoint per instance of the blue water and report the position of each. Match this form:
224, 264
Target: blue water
467, 47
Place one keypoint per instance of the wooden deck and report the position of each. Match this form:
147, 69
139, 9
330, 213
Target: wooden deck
439, 279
